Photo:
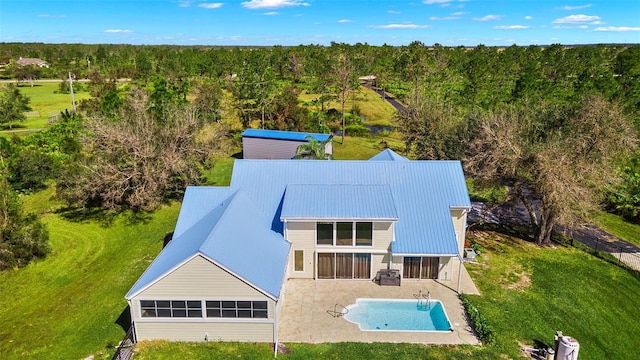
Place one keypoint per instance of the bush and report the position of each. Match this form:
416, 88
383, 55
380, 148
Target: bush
478, 321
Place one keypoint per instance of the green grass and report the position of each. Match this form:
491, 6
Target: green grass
357, 148
376, 111
43, 103
220, 173
66, 305
617, 226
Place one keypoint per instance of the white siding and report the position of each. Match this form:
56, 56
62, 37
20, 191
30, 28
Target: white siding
459, 218
200, 279
302, 235
196, 331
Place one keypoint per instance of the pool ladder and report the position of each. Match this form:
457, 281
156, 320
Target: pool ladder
421, 298
337, 313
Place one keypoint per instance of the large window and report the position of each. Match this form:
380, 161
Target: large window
171, 308
346, 233
344, 266
324, 233
420, 267
237, 309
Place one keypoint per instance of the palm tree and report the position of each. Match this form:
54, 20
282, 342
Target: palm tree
313, 149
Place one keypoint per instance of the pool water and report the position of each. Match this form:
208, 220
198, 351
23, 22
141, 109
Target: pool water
398, 315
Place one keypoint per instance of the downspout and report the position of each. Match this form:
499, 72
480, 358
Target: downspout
459, 273
275, 330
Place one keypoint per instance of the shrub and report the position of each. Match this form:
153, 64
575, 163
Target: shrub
478, 321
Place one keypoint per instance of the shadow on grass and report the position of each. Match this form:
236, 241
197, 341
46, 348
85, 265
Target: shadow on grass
104, 217
238, 155
124, 320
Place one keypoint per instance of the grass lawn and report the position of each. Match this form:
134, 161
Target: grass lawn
357, 148
528, 294
617, 226
67, 305
43, 103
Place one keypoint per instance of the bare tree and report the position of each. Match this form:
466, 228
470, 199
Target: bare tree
343, 82
137, 160
556, 162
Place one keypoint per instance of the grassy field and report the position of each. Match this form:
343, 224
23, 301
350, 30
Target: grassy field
617, 226
376, 111
44, 102
67, 306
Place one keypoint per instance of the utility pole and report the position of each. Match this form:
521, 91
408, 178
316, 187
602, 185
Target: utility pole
73, 100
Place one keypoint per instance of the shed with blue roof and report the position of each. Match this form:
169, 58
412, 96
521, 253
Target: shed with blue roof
276, 144
224, 273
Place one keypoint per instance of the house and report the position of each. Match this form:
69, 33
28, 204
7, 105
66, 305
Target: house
276, 144
32, 61
223, 275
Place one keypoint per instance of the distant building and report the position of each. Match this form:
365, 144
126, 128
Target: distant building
275, 144
32, 61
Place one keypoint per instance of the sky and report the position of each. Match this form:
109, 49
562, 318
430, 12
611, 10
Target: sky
295, 22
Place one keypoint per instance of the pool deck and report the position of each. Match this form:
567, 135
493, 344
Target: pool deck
305, 315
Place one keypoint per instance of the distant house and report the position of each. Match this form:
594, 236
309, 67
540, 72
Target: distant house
275, 144
223, 275
32, 61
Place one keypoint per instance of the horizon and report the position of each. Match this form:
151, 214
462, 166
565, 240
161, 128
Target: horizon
265, 23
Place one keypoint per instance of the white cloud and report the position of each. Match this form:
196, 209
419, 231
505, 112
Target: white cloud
400, 26
459, 13
272, 4
271, 13
184, 4
576, 19
435, 18
528, 17
510, 27
393, 12
51, 16
211, 5
489, 18
430, 2
118, 31
235, 37
570, 27
567, 7
617, 28
344, 21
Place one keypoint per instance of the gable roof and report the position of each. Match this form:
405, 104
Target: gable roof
216, 227
388, 155
284, 135
423, 193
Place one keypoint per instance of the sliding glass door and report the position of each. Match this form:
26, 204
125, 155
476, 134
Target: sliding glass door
416, 267
344, 266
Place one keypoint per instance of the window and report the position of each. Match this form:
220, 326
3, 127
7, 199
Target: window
346, 233
237, 309
171, 308
324, 233
420, 267
344, 266
298, 260
364, 234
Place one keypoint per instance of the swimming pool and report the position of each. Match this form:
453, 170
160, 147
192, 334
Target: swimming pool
398, 315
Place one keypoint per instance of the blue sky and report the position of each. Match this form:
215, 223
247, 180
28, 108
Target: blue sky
293, 22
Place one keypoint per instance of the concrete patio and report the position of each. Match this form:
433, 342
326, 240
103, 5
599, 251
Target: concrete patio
306, 317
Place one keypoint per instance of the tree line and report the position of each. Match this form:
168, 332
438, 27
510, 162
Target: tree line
557, 125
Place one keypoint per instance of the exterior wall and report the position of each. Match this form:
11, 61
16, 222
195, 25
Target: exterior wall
259, 148
302, 235
199, 279
459, 218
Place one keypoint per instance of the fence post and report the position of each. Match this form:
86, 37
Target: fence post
620, 254
597, 240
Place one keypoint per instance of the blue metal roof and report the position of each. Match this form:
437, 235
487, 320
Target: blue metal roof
338, 202
220, 233
240, 228
422, 191
284, 135
388, 155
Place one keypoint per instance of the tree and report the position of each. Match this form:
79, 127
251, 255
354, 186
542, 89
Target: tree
27, 73
313, 149
138, 160
343, 83
23, 237
12, 105
556, 160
